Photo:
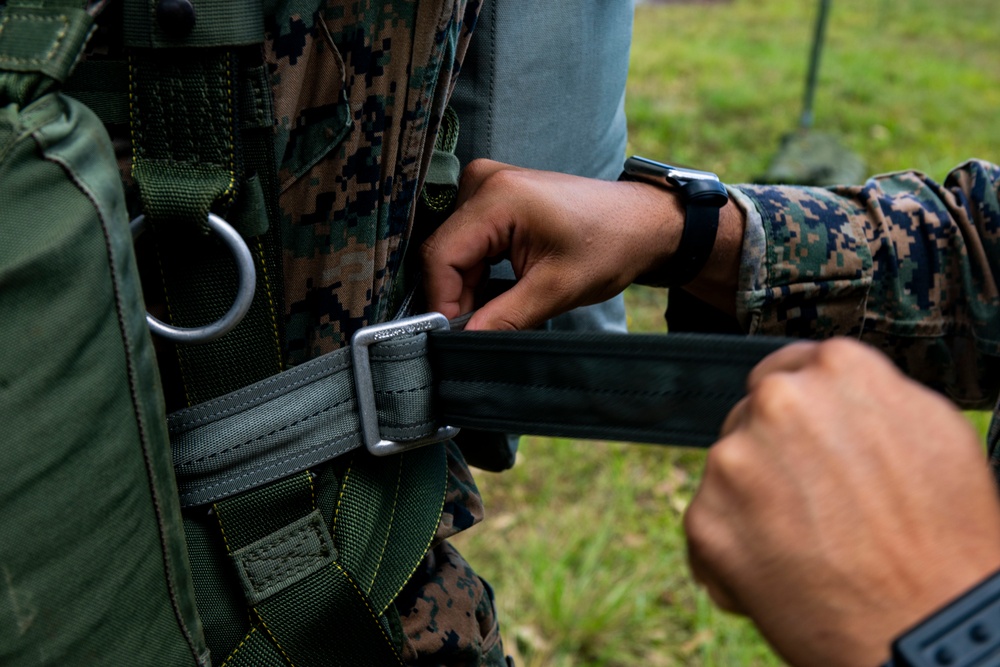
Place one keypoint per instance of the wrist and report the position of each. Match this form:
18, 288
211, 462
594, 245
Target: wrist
700, 238
654, 218
701, 195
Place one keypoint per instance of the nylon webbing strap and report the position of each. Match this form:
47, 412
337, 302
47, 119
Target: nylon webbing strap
43, 36
310, 609
216, 23
40, 43
320, 593
183, 110
194, 152
673, 390
295, 420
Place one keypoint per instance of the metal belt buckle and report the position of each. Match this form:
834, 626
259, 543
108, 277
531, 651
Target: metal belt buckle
365, 388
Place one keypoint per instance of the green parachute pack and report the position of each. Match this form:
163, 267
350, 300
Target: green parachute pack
274, 515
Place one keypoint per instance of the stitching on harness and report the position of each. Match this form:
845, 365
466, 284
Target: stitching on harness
266, 435
392, 392
312, 489
250, 401
388, 530
417, 428
399, 347
230, 192
237, 649
340, 497
371, 611
444, 497
293, 561
273, 638
222, 528
61, 18
253, 471
270, 303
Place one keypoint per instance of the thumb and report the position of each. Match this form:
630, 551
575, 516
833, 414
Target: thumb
530, 302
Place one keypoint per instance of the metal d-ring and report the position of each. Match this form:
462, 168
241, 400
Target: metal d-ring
244, 293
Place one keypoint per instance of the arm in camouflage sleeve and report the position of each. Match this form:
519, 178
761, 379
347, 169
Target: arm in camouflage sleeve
902, 262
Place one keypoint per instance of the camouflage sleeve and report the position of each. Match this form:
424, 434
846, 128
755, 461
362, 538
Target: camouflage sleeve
902, 262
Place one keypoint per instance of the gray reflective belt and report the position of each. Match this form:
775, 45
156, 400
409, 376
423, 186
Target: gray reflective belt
418, 383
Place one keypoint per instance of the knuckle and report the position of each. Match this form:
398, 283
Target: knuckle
774, 398
428, 249
477, 169
697, 528
835, 352
728, 461
842, 355
504, 180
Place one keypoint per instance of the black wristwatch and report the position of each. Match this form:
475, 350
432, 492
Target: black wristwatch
965, 633
703, 195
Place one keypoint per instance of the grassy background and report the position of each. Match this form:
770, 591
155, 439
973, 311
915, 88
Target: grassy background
583, 541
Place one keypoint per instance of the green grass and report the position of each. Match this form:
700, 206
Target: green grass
583, 540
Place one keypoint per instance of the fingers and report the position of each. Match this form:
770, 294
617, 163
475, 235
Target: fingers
788, 359
455, 256
530, 302
709, 547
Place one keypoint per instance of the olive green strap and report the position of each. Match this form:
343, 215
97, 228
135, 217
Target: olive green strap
40, 42
212, 23
673, 390
320, 589
200, 120
183, 117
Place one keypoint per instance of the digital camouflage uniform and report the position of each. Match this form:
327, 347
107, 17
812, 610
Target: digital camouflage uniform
902, 263
345, 239
356, 113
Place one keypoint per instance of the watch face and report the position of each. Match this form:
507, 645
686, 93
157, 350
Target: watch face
702, 188
644, 168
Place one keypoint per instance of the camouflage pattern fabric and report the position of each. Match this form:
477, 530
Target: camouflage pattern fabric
902, 262
358, 99
346, 221
347, 192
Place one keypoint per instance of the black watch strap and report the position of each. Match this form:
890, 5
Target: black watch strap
703, 195
697, 240
965, 633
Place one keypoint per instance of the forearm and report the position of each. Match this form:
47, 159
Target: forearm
902, 262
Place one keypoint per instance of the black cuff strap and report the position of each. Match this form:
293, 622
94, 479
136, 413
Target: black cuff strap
966, 633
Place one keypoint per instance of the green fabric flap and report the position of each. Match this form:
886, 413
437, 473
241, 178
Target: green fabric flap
217, 23
249, 215
285, 557
95, 568
256, 104
444, 169
45, 40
